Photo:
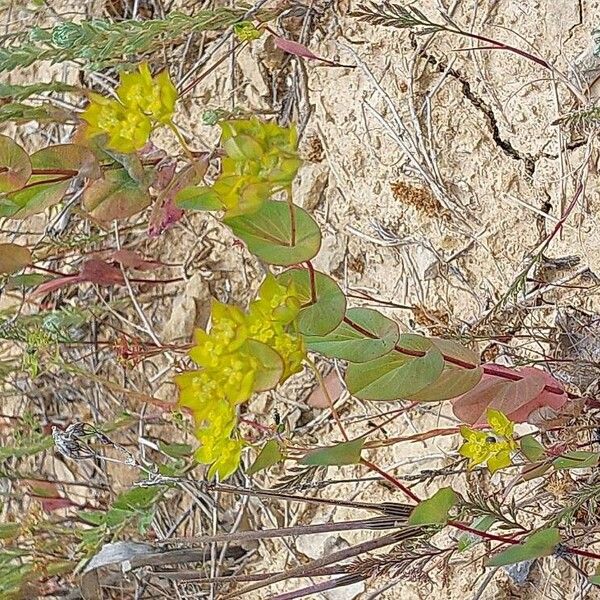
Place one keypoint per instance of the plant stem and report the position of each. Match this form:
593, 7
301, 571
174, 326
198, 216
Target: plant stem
488, 369
391, 479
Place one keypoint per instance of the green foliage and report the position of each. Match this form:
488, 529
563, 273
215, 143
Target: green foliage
396, 375
23, 92
531, 448
100, 43
269, 455
434, 510
323, 302
133, 508
116, 196
538, 544
346, 453
577, 459
275, 237
377, 337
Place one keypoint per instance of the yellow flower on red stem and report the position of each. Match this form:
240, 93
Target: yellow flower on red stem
495, 447
142, 103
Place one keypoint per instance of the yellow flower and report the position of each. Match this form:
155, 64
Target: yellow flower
143, 103
246, 31
127, 131
230, 371
493, 448
154, 97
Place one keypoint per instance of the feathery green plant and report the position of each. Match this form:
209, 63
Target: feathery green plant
101, 43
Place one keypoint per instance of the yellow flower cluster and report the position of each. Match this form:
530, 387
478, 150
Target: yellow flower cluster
261, 159
493, 448
143, 102
232, 368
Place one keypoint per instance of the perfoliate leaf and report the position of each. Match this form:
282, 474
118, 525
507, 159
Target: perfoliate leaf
434, 510
453, 382
346, 453
348, 343
395, 375
322, 314
453, 349
538, 544
269, 455
268, 233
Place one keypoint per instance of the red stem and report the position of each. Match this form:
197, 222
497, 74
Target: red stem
502, 46
313, 284
463, 526
488, 369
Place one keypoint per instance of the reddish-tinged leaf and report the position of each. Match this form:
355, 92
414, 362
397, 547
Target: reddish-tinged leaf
92, 271
164, 215
318, 398
56, 284
517, 399
301, 51
51, 504
68, 156
164, 173
164, 211
116, 196
543, 403
295, 48
13, 258
133, 260
100, 273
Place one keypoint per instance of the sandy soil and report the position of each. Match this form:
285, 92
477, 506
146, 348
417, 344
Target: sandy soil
434, 183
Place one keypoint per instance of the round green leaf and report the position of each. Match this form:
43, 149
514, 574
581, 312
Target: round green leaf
322, 316
396, 375
270, 366
268, 233
531, 448
116, 196
15, 166
453, 382
372, 336
13, 258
